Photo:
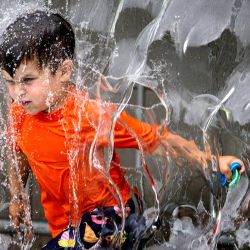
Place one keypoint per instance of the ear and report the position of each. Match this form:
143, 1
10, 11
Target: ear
66, 69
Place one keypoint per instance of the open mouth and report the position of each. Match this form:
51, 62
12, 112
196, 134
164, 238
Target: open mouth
25, 103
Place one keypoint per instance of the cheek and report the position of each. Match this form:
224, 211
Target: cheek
11, 92
37, 90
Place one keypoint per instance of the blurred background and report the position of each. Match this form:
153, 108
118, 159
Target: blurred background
183, 64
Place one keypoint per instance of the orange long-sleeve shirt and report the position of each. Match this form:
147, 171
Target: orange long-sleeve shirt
65, 149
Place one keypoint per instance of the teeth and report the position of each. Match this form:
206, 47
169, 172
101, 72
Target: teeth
26, 102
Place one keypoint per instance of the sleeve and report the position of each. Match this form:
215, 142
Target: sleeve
132, 133
129, 132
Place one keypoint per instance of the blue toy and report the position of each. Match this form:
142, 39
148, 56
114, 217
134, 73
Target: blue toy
234, 167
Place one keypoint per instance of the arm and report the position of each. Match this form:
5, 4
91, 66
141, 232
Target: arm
19, 212
179, 147
183, 151
132, 133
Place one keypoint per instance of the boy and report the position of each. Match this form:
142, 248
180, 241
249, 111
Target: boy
61, 134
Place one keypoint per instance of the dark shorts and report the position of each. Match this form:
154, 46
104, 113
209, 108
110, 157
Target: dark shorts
101, 227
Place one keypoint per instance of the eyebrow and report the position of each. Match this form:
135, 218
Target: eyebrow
28, 75
21, 78
8, 80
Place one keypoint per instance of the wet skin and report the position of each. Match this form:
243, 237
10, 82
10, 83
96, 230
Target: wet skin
38, 90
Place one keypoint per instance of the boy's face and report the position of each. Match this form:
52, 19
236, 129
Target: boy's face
36, 90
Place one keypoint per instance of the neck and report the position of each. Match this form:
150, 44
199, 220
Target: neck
57, 104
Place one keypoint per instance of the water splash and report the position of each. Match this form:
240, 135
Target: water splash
191, 60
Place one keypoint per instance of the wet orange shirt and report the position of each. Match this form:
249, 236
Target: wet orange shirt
65, 151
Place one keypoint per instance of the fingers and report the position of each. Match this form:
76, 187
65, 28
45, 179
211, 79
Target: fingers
226, 161
26, 233
27, 221
19, 213
242, 166
228, 174
28, 236
16, 223
15, 216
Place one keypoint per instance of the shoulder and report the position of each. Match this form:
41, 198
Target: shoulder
16, 114
16, 110
78, 101
76, 96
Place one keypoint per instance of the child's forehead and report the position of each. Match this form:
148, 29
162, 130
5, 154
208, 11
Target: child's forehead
30, 63
26, 67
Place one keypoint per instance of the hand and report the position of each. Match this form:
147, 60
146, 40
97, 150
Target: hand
181, 149
19, 213
16, 213
224, 165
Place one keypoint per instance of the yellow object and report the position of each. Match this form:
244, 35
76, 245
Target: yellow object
66, 243
89, 235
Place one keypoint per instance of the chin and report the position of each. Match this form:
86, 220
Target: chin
32, 112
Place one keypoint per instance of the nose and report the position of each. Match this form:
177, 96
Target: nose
19, 90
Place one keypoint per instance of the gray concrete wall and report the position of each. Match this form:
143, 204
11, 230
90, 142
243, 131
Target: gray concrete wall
203, 69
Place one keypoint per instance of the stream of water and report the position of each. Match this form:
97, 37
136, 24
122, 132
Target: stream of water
181, 64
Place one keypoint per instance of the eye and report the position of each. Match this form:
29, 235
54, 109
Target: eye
28, 80
10, 82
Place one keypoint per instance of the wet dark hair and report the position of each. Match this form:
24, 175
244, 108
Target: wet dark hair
40, 35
